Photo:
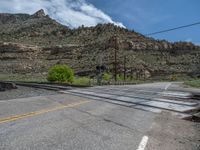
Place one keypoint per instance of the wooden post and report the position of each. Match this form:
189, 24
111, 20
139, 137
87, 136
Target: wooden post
124, 68
116, 58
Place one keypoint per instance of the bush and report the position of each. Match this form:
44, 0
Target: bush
131, 78
173, 77
107, 76
82, 81
120, 77
61, 73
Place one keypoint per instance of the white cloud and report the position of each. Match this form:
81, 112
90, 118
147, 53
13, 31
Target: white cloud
72, 13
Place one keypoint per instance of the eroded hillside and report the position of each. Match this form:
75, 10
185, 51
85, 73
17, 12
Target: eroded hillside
33, 43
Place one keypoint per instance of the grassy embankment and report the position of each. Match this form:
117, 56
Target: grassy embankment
41, 78
88, 81
193, 83
85, 81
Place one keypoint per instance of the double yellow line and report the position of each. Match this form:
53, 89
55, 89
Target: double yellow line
31, 114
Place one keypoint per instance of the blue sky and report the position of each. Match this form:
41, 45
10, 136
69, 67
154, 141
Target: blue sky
146, 16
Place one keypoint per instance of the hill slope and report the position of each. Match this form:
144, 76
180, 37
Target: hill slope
33, 43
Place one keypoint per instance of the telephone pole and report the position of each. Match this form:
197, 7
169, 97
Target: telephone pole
115, 57
99, 76
124, 68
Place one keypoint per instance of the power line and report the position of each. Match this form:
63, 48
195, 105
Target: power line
172, 29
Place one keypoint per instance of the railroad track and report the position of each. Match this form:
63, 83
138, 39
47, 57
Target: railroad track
172, 101
45, 85
179, 104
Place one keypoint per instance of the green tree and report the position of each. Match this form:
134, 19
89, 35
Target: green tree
60, 73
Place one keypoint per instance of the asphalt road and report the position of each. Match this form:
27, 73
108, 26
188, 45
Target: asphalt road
69, 122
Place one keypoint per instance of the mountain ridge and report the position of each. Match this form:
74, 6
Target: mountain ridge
82, 48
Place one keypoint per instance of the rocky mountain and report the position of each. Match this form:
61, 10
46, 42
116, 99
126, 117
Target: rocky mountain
33, 43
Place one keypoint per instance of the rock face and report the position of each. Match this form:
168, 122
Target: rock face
39, 13
33, 43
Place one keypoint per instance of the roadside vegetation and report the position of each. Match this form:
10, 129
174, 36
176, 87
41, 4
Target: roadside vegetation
60, 74
83, 81
107, 76
193, 83
173, 77
65, 75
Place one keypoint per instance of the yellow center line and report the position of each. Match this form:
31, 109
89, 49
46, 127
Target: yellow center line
31, 114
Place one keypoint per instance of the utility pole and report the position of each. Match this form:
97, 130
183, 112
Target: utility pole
124, 68
99, 76
116, 58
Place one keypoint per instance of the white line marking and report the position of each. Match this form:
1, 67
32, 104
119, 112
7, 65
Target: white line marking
143, 143
167, 86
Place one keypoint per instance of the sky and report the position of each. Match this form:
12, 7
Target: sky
147, 16
144, 16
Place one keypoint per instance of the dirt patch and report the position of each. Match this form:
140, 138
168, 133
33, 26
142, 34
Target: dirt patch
23, 92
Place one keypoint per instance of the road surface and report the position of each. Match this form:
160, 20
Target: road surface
101, 118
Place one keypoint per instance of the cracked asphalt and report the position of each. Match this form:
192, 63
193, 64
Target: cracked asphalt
67, 122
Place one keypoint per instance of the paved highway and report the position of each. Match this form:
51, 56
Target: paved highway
101, 118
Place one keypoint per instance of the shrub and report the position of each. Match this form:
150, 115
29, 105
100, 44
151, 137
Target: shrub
82, 81
173, 77
130, 78
61, 73
107, 76
120, 77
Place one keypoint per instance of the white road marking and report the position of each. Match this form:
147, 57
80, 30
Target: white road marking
143, 143
167, 86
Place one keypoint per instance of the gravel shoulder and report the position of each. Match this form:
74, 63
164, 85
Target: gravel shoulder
23, 92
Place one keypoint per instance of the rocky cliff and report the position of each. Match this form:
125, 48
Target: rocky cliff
33, 43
